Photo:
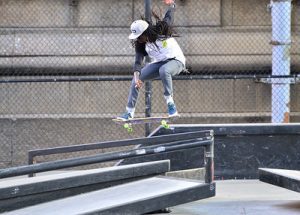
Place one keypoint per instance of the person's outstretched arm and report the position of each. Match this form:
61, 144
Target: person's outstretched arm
169, 16
140, 54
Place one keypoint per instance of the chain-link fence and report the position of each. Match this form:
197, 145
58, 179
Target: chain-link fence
66, 67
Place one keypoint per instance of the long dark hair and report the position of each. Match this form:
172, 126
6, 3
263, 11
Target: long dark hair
158, 31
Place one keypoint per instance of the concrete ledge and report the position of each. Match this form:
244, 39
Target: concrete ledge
289, 179
137, 197
195, 174
29, 191
240, 149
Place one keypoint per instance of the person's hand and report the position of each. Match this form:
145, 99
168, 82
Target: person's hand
169, 2
138, 82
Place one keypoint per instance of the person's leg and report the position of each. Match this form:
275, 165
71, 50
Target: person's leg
149, 72
166, 72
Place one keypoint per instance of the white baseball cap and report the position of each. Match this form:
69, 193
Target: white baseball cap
137, 28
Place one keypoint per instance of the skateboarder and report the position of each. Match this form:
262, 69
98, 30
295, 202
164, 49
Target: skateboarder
155, 41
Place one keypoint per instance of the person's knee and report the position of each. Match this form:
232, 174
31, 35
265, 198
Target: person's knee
164, 71
142, 77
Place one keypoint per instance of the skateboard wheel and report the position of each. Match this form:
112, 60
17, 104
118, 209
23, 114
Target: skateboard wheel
128, 127
164, 122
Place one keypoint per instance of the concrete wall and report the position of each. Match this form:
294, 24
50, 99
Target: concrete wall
42, 36
42, 115
92, 34
104, 13
108, 99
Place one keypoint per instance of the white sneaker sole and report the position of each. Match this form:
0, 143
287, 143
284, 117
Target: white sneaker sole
174, 115
120, 118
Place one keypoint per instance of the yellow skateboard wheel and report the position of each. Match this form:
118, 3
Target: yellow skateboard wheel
130, 130
165, 124
128, 127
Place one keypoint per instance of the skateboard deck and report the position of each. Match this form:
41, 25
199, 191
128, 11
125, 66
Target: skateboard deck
127, 124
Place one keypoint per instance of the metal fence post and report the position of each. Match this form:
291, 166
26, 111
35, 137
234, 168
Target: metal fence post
281, 62
148, 84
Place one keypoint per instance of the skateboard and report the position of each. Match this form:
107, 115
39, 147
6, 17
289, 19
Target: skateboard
127, 124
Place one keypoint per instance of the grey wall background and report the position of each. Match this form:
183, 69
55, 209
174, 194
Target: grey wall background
92, 34
65, 38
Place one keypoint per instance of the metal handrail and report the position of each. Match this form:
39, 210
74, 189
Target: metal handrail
120, 143
60, 164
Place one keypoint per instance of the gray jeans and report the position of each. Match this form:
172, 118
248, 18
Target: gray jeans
163, 70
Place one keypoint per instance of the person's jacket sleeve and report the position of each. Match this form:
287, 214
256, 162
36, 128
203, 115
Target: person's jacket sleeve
140, 53
169, 16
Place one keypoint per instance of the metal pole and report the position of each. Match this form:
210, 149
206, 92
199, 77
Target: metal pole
148, 84
209, 161
281, 60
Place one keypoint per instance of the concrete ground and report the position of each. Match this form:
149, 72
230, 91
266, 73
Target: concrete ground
244, 197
